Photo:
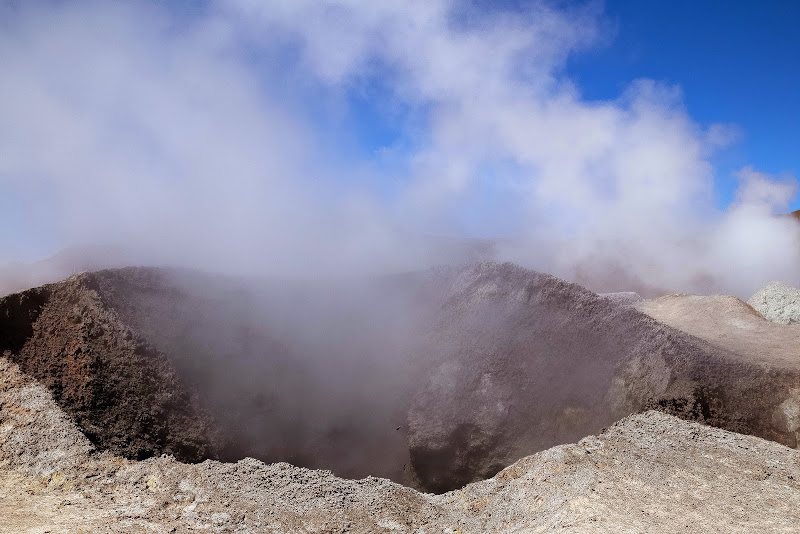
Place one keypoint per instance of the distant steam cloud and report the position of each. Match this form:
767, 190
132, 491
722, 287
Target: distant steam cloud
195, 138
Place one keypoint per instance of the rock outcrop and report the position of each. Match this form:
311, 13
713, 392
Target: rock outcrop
777, 302
123, 394
158, 361
528, 361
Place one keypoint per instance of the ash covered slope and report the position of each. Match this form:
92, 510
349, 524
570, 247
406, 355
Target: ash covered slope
319, 374
124, 395
528, 361
648, 473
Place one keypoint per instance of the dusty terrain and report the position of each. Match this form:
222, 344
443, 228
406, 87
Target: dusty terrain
731, 324
648, 473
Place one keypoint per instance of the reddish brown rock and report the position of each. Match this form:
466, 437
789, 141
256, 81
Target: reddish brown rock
124, 395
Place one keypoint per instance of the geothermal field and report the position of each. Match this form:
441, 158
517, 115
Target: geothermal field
399, 266
480, 398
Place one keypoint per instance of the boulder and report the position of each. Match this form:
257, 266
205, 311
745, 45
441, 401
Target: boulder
777, 302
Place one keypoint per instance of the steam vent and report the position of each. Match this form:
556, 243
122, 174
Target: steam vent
399, 267
161, 398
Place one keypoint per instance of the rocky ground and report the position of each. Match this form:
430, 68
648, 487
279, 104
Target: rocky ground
445, 381
648, 473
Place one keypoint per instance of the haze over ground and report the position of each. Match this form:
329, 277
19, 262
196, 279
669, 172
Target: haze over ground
313, 137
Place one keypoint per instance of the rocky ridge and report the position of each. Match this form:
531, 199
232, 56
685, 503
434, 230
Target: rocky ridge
528, 361
123, 394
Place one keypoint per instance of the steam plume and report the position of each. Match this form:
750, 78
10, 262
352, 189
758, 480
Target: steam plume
210, 137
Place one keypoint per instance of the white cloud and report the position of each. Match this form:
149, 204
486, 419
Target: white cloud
163, 133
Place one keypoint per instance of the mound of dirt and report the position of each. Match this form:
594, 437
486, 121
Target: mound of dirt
756, 389
648, 473
777, 302
731, 324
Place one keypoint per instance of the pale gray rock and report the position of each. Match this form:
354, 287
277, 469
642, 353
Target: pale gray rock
780, 303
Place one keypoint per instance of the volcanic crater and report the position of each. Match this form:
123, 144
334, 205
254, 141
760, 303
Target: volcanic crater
433, 379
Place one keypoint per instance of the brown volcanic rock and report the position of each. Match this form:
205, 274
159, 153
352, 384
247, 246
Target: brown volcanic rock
529, 361
318, 374
124, 395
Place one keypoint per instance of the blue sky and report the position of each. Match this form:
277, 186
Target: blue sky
737, 62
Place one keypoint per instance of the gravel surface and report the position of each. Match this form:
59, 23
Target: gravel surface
647, 473
778, 302
622, 297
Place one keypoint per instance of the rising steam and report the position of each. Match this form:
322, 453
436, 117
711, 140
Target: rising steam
219, 135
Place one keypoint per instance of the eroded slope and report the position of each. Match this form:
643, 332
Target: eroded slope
124, 395
756, 389
528, 361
